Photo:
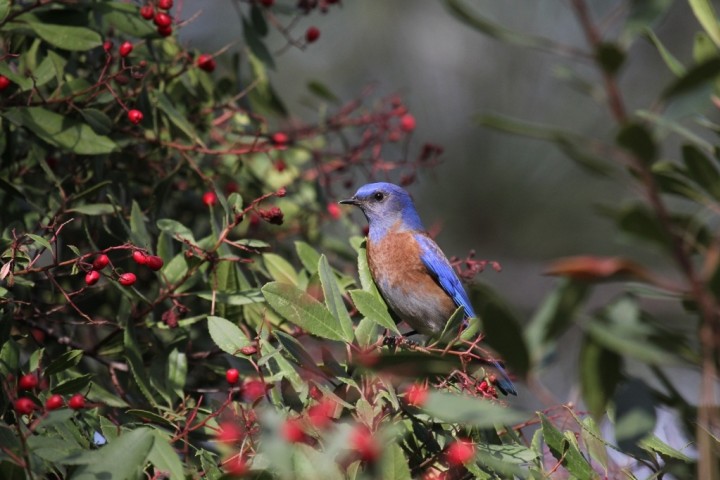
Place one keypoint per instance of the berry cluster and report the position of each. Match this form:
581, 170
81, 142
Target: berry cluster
126, 279
31, 382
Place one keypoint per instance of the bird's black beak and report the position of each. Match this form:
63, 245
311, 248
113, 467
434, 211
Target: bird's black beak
350, 201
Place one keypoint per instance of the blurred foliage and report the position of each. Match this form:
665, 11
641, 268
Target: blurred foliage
175, 269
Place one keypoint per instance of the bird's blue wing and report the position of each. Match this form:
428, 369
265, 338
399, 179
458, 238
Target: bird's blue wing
439, 267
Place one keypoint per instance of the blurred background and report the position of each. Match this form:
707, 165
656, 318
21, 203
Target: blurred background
518, 201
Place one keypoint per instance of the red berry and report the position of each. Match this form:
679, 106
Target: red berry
209, 198
24, 406
125, 49
267, 3
229, 433
236, 466
232, 376
363, 442
77, 401
312, 34
334, 210
460, 452
147, 12
135, 116
53, 402
154, 263
162, 19
292, 431
254, 390
280, 139
4, 82
321, 415
165, 31
416, 394
139, 257
206, 62
127, 279
165, 4
28, 381
100, 262
280, 165
407, 123
107, 45
92, 277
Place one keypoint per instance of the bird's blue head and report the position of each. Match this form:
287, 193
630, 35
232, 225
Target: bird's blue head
384, 206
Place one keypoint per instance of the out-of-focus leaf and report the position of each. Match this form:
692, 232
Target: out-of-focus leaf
463, 12
634, 414
67, 360
298, 353
639, 222
578, 148
256, 45
322, 91
280, 269
565, 451
468, 411
599, 375
554, 316
672, 63
258, 20
594, 443
164, 458
695, 78
393, 465
504, 334
333, 298
653, 444
370, 306
303, 310
60, 131
176, 117
643, 14
94, 209
411, 364
227, 335
638, 140
705, 13
593, 269
175, 269
701, 170
610, 57
62, 36
4, 9
177, 366
122, 458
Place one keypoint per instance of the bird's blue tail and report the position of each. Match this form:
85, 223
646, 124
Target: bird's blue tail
503, 382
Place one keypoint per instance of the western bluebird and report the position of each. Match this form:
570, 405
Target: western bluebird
413, 275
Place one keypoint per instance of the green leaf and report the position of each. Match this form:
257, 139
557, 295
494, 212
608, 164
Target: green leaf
653, 444
60, 131
4, 9
177, 366
72, 385
38, 239
256, 45
333, 298
122, 458
98, 121
634, 415
164, 458
322, 91
643, 14
595, 445
705, 13
565, 451
672, 63
176, 229
599, 375
701, 170
137, 368
236, 299
227, 335
62, 36
309, 257
125, 18
67, 360
366, 280
298, 354
280, 269
137, 226
94, 209
371, 306
639, 222
554, 316
303, 310
175, 269
469, 411
176, 117
610, 57
394, 465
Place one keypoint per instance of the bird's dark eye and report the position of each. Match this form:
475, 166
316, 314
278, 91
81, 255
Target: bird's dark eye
379, 196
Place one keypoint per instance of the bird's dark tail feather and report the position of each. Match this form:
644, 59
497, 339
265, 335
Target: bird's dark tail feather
503, 382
